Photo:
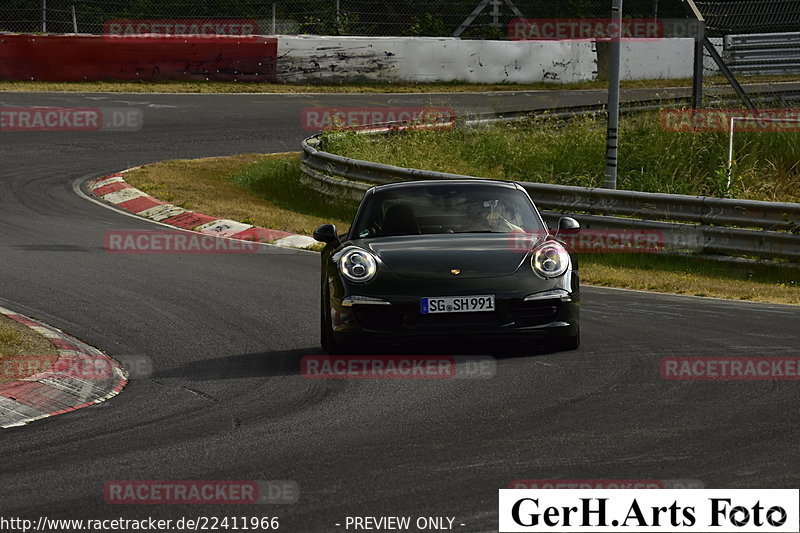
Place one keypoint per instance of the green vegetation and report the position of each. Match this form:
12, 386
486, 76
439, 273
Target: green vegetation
572, 152
257, 189
278, 181
24, 344
371, 87
694, 276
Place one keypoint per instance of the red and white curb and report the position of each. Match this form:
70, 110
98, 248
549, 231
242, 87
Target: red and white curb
81, 376
115, 190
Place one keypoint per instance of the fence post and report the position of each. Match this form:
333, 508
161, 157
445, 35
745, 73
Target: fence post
613, 97
697, 76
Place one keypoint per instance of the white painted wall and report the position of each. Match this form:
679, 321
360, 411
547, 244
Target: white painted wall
308, 58
430, 59
656, 59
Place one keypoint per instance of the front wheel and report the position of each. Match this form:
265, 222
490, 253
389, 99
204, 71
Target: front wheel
570, 342
326, 338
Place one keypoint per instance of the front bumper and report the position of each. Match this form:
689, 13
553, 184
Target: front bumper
514, 316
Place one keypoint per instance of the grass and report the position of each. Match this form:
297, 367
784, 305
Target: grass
276, 180
19, 340
265, 190
363, 87
254, 189
573, 153
693, 276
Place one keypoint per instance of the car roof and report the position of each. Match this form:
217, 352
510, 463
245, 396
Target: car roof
444, 183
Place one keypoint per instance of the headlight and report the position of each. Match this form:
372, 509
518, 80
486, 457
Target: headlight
357, 265
550, 260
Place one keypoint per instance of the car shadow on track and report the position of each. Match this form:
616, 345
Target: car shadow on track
290, 362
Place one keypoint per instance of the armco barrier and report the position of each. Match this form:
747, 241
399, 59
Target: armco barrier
763, 53
95, 57
716, 225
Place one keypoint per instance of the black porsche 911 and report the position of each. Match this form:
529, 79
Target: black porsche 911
442, 259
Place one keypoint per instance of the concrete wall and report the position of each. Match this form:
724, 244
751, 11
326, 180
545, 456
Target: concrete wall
429, 59
306, 59
656, 59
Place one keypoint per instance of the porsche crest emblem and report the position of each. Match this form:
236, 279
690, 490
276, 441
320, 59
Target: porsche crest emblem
455, 271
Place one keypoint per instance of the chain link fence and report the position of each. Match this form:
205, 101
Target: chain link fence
387, 17
321, 17
724, 17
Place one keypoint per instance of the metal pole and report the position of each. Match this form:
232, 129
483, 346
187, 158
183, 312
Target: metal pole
74, 21
273, 20
613, 97
697, 23
337, 12
728, 74
729, 169
697, 77
44, 16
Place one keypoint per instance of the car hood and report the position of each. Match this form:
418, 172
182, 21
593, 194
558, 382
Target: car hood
474, 255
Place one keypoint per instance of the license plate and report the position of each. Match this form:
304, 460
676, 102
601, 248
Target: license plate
457, 304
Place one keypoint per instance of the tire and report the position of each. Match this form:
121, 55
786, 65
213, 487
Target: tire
565, 342
326, 338
571, 342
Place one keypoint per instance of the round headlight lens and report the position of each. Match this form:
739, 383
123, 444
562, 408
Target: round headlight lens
550, 260
357, 265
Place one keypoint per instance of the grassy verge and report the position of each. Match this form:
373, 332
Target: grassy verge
767, 164
265, 190
693, 276
19, 340
372, 87
252, 188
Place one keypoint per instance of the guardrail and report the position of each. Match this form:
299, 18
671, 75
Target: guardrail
697, 224
763, 53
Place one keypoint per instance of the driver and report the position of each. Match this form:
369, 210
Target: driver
498, 219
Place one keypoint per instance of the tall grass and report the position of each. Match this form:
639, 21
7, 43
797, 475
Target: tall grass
547, 150
278, 181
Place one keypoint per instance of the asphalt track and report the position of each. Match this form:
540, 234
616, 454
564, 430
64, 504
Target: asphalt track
225, 334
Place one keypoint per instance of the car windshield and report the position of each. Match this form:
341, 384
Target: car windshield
453, 208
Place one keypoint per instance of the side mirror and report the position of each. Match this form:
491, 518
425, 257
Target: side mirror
327, 233
568, 225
